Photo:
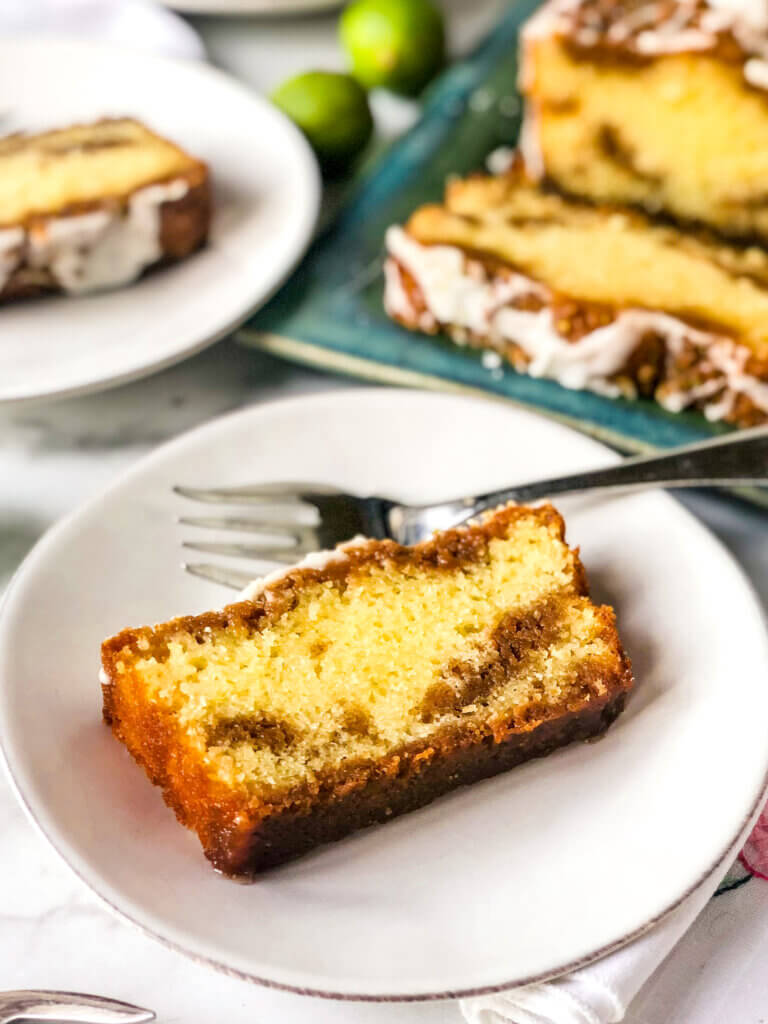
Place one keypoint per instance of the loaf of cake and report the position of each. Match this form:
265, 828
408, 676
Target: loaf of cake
365, 683
589, 295
662, 104
94, 206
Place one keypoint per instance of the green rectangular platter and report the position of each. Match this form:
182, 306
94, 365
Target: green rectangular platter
329, 314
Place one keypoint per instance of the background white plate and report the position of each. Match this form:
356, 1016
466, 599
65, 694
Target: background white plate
266, 194
252, 6
515, 878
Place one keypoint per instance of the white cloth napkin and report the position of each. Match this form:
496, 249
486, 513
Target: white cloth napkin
136, 23
601, 992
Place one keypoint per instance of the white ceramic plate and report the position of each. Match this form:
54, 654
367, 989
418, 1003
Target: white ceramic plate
252, 6
266, 194
515, 878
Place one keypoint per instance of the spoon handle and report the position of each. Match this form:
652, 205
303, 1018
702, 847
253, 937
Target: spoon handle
68, 1008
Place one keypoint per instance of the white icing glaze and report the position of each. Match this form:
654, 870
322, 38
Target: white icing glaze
756, 72
11, 247
396, 301
731, 359
500, 160
491, 360
633, 21
315, 560
548, 19
658, 41
751, 13
455, 292
457, 295
103, 248
586, 363
530, 143
686, 29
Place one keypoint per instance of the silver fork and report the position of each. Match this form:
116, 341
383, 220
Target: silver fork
735, 460
68, 1008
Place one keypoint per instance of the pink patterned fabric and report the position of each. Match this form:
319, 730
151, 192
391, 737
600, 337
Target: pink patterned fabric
754, 856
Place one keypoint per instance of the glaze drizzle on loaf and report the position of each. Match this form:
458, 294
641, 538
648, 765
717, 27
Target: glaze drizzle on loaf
517, 316
93, 206
593, 297
733, 30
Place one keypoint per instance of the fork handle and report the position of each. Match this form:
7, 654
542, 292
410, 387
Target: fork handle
735, 460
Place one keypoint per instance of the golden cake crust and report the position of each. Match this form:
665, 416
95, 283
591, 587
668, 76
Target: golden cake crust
243, 834
447, 550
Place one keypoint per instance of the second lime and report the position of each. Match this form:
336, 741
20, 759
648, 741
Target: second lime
333, 112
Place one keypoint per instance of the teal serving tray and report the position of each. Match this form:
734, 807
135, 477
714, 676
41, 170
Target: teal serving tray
330, 313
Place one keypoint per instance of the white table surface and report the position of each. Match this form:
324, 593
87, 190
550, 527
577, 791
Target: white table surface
53, 932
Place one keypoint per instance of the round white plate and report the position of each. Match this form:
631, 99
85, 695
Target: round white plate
266, 196
515, 878
275, 7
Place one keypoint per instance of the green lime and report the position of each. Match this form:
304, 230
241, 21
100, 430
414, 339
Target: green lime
333, 112
394, 44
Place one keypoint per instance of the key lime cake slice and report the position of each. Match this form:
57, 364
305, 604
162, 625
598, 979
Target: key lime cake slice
661, 104
366, 682
595, 297
93, 206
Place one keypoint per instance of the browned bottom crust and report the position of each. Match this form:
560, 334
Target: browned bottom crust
240, 846
283, 836
184, 227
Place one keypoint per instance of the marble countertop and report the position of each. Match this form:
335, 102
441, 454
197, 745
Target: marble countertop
53, 932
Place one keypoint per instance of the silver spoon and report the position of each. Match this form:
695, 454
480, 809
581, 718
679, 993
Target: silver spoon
68, 1008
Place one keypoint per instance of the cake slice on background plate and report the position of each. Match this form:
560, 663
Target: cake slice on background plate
93, 206
661, 104
365, 683
592, 296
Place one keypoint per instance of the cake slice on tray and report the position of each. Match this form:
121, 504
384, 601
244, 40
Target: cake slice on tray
93, 206
365, 683
592, 296
661, 104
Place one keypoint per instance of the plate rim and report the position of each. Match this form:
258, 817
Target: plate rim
259, 8
157, 454
306, 227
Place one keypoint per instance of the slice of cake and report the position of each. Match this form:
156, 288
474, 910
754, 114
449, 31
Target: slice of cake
590, 296
93, 206
356, 687
658, 103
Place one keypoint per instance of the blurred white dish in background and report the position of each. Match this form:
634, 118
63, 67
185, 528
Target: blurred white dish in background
128, 22
252, 6
266, 191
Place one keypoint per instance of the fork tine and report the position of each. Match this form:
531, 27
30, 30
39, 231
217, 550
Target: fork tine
256, 495
233, 578
297, 533
261, 552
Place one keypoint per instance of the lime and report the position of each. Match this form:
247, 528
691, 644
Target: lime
395, 44
332, 110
